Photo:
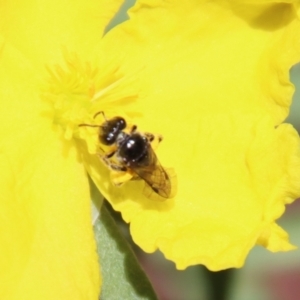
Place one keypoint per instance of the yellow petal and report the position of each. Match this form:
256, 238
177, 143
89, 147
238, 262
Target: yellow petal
214, 81
227, 53
227, 202
275, 239
266, 1
41, 29
47, 245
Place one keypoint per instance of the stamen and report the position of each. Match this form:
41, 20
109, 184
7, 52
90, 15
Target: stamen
77, 91
102, 92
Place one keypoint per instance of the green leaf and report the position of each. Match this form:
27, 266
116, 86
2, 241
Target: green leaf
122, 275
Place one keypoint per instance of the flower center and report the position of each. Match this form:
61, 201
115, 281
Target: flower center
78, 90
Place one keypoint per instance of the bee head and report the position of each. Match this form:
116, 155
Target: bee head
110, 130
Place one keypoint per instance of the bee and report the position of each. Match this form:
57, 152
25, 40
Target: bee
132, 152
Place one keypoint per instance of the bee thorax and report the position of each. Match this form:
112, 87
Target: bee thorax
133, 149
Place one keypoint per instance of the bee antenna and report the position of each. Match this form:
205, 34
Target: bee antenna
98, 113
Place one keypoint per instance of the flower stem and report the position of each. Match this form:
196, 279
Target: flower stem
219, 284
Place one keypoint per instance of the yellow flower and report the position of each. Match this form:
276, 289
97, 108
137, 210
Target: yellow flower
48, 249
212, 78
214, 81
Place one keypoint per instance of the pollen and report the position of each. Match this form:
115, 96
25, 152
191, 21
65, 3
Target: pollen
77, 90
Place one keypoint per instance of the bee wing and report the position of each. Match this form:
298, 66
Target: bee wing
155, 176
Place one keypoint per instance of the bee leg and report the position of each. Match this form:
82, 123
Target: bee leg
133, 128
153, 139
112, 165
116, 167
110, 154
149, 136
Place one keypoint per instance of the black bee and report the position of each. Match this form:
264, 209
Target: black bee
133, 152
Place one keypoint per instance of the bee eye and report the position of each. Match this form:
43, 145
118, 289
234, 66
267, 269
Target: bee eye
121, 124
108, 139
